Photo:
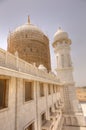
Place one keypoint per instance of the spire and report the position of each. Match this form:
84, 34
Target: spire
29, 19
59, 28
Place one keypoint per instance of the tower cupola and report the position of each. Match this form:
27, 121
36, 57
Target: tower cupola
60, 36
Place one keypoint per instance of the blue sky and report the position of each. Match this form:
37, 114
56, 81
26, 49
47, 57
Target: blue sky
49, 15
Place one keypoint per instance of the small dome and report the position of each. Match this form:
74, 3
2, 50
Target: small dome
60, 35
42, 67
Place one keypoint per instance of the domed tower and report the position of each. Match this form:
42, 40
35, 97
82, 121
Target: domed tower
61, 46
64, 70
31, 44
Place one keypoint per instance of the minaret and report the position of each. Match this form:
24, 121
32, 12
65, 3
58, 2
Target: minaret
64, 71
64, 68
61, 45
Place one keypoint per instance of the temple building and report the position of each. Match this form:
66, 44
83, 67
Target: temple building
32, 97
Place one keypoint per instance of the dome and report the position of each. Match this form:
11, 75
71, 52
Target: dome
42, 67
30, 31
28, 28
31, 45
60, 35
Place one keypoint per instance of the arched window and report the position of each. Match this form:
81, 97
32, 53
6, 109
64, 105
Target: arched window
29, 91
69, 60
3, 93
62, 59
57, 59
26, 36
31, 49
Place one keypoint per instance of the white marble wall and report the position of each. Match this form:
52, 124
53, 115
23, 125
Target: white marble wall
7, 115
19, 113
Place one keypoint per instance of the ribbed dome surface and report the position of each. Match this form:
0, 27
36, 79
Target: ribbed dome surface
29, 31
29, 27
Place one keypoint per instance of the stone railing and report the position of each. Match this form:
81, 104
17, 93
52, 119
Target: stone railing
60, 123
10, 61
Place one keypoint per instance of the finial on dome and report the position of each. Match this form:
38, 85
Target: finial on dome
59, 28
29, 19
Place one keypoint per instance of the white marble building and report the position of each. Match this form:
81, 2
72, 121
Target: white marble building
33, 99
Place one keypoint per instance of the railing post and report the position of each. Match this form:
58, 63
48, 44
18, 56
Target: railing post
17, 59
6, 57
